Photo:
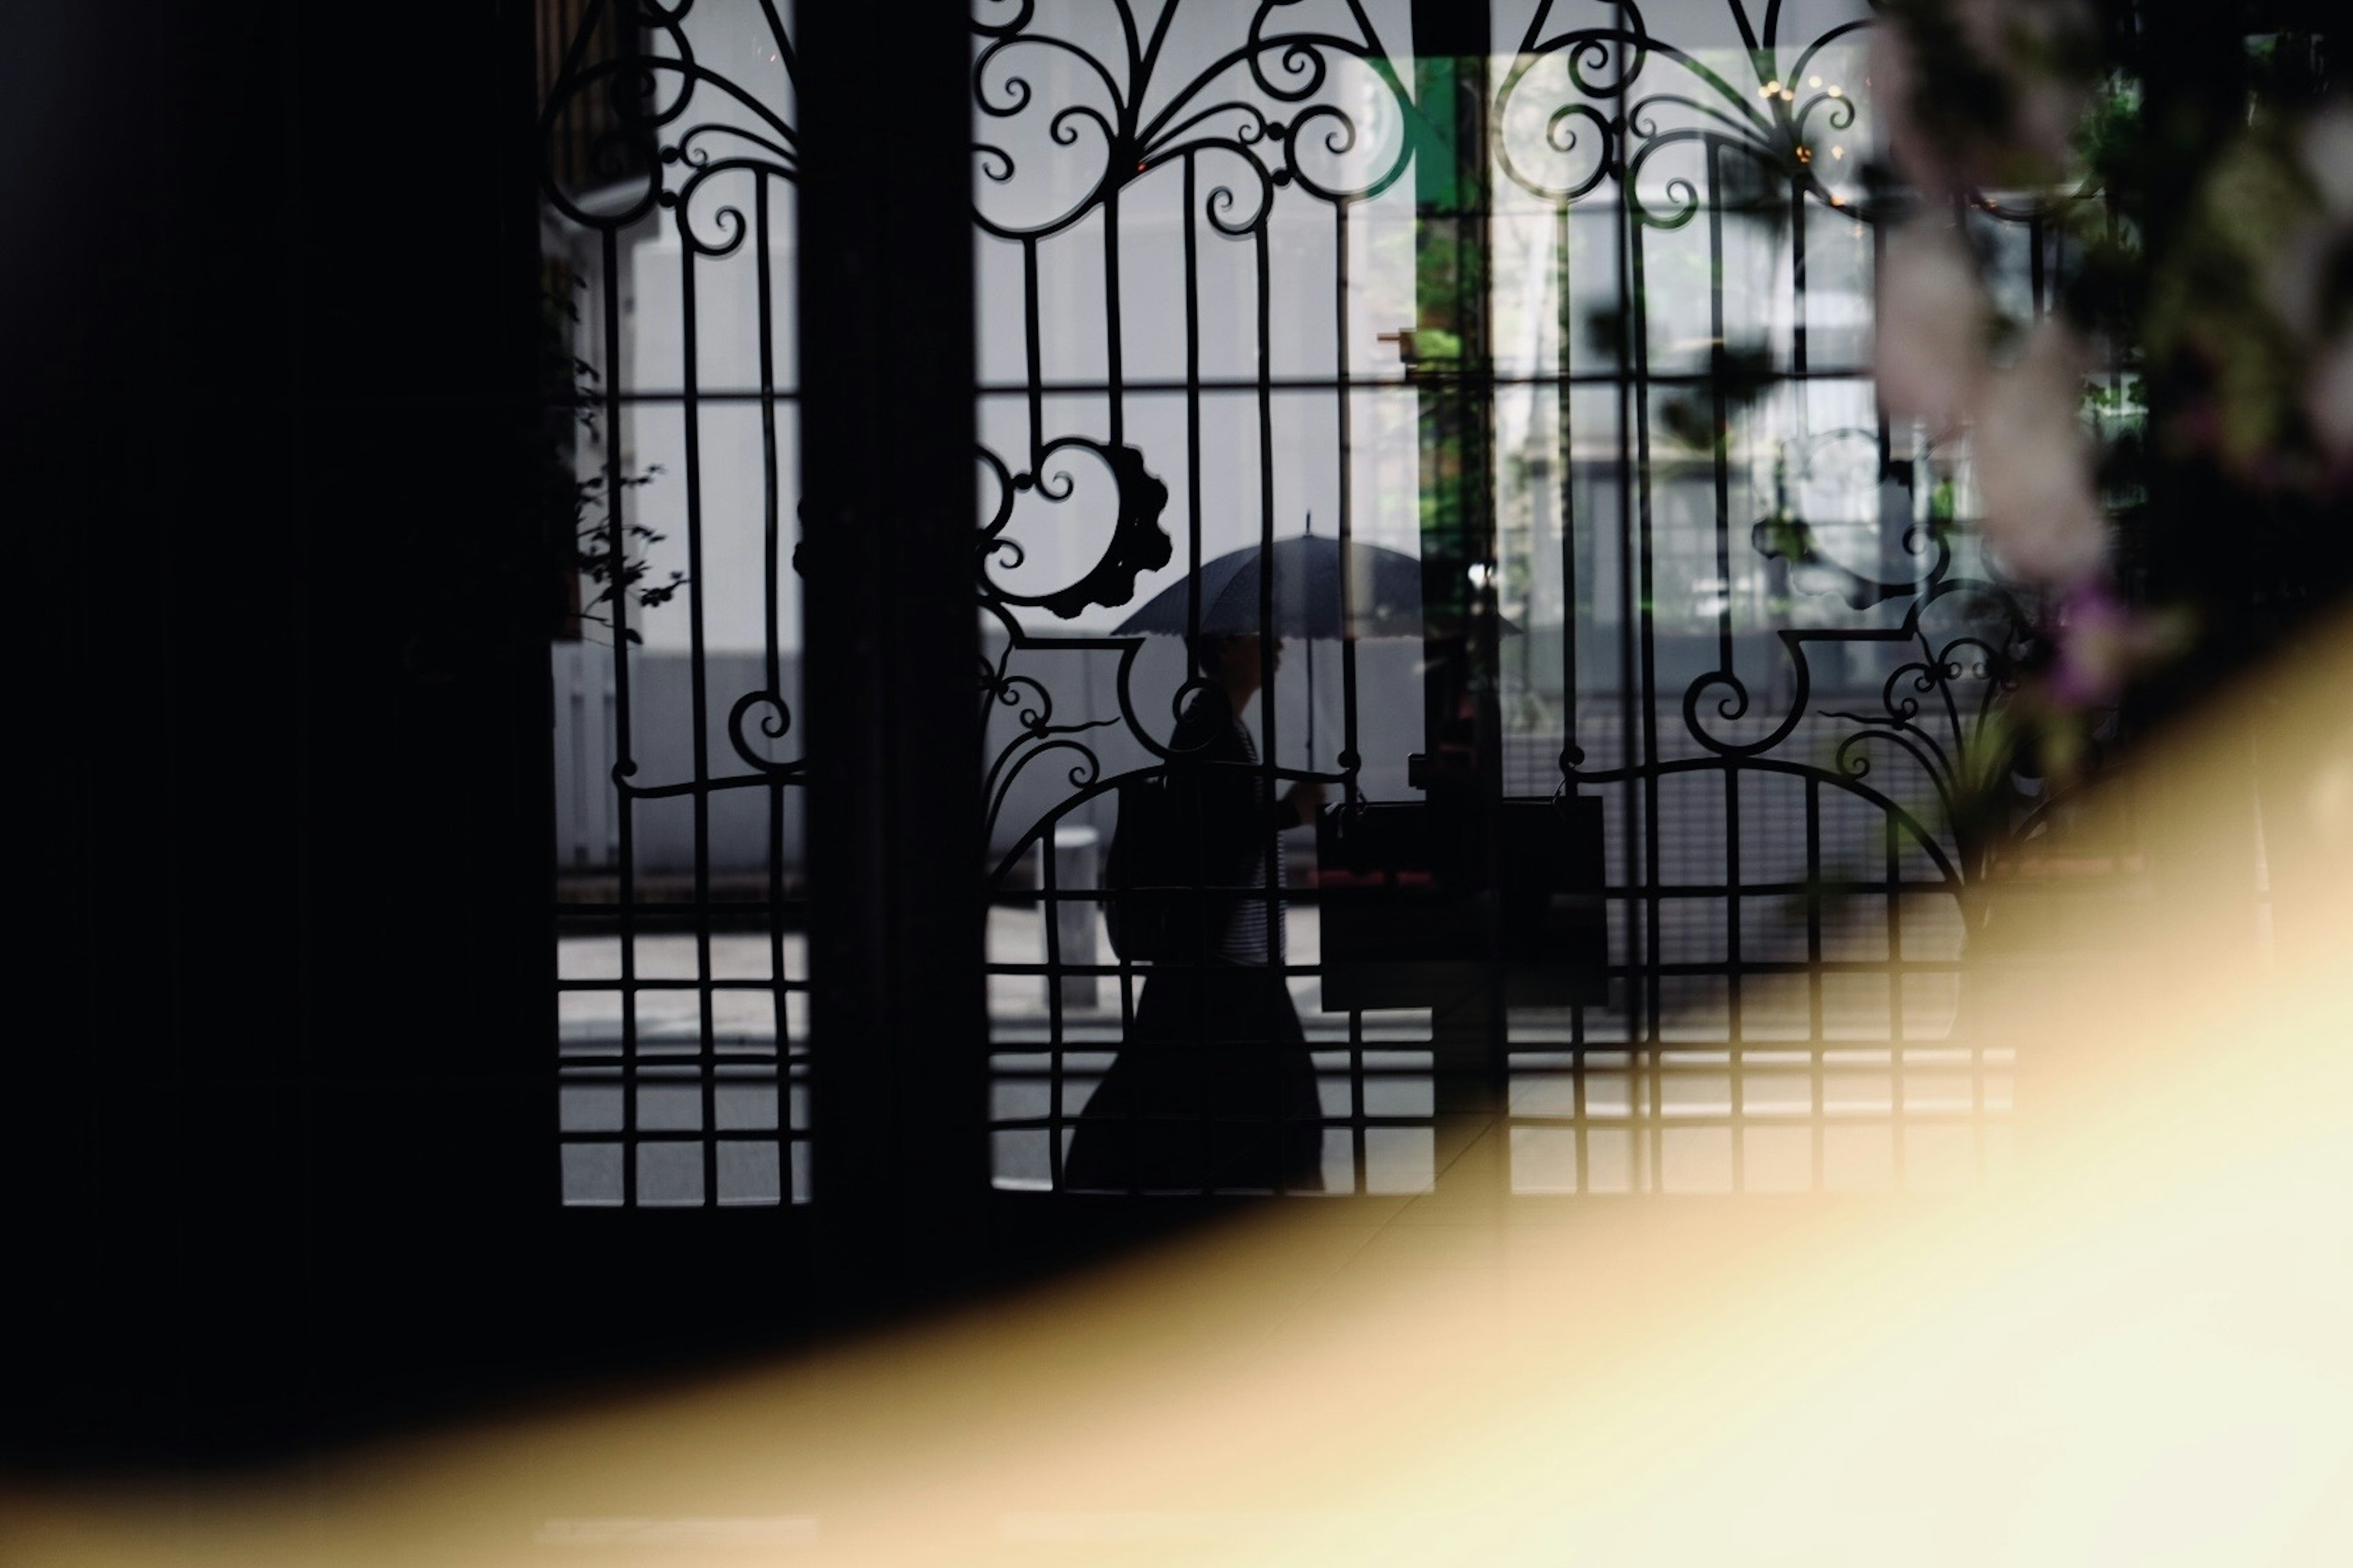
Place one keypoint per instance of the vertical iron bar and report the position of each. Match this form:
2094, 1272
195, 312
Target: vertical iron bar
1192, 416
1348, 760
1648, 706
1035, 364
1896, 1126
698, 717
1814, 963
1563, 414
1737, 1028
1460, 711
624, 808
1720, 426
1114, 356
1797, 347
1263, 329
1634, 826
2034, 238
895, 840
772, 567
1050, 883
1193, 566
1719, 406
1572, 753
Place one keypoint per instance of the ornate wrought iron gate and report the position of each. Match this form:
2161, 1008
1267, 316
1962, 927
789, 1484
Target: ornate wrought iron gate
1569, 302
1578, 312
669, 174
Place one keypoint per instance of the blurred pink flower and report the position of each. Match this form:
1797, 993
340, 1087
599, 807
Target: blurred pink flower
2100, 641
2092, 632
2034, 460
2029, 45
2034, 464
1928, 344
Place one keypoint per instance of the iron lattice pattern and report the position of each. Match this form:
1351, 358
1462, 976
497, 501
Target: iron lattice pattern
1752, 619
669, 166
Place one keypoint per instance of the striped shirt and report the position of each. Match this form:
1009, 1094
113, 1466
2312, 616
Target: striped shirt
1246, 933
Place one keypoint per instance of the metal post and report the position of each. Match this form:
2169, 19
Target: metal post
1077, 857
1463, 763
898, 1035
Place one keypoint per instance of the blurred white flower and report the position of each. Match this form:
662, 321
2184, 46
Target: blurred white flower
2294, 250
2328, 399
1928, 340
2034, 464
2293, 274
2327, 148
2032, 458
2327, 144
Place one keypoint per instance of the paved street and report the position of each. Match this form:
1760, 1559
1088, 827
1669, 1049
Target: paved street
1623, 1123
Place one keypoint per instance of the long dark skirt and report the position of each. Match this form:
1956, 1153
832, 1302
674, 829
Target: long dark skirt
1212, 1090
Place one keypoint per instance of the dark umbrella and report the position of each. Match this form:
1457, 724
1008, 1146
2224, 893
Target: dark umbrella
1308, 573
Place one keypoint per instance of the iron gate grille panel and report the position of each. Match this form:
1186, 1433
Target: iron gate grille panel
1768, 656
1768, 660
668, 172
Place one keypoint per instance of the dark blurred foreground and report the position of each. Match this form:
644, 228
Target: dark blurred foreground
2131, 1350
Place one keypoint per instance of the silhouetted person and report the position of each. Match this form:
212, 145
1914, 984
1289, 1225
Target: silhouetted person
1214, 1088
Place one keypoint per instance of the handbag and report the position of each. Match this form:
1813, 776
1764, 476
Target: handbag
1157, 911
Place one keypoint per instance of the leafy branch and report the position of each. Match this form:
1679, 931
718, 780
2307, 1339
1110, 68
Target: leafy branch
587, 551
622, 575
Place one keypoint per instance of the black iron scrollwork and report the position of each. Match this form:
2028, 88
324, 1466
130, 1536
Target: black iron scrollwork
1593, 101
630, 109
637, 125
1814, 569
1270, 102
1769, 121
1065, 128
1138, 543
1941, 710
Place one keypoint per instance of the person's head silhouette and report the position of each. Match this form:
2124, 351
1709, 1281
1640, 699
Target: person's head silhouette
1235, 666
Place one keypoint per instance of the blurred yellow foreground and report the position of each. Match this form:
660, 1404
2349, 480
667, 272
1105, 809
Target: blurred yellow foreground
2136, 1348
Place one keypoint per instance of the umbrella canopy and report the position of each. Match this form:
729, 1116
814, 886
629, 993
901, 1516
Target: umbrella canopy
1309, 572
